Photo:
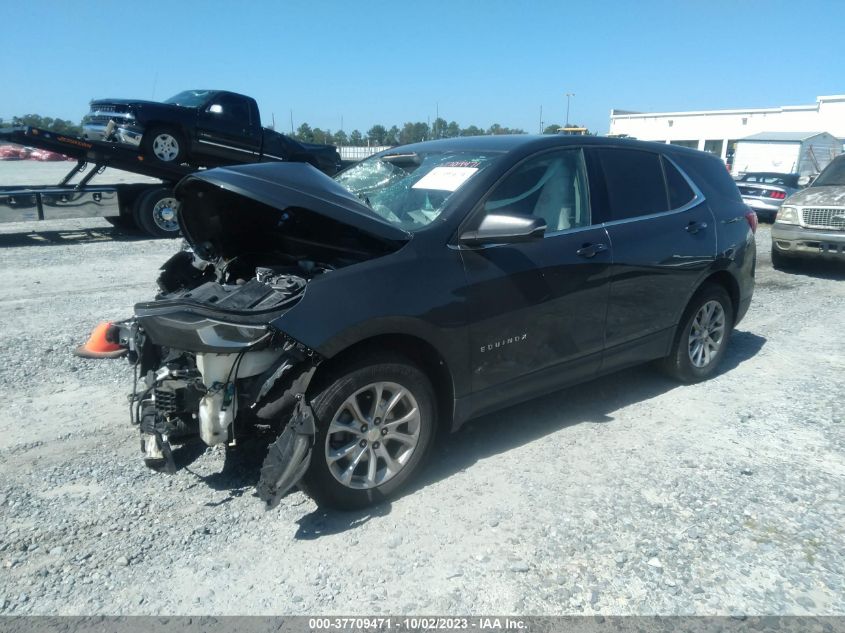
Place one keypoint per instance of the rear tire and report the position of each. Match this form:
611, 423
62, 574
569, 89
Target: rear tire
156, 212
702, 336
397, 449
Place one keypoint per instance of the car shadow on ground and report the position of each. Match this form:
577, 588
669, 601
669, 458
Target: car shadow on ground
70, 236
818, 268
594, 402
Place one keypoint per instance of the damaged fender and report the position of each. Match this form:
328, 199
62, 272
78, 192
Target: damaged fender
289, 456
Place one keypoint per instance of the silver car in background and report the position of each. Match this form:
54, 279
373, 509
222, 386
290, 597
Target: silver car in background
764, 192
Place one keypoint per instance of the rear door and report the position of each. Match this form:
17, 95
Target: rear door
663, 237
227, 129
539, 305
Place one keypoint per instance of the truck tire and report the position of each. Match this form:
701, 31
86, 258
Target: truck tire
779, 261
165, 145
156, 212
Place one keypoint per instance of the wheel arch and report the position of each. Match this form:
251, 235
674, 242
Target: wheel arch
729, 283
420, 352
181, 128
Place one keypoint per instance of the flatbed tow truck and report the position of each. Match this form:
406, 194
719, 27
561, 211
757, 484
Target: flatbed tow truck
150, 207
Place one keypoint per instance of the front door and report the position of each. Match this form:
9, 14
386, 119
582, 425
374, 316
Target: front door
225, 130
537, 309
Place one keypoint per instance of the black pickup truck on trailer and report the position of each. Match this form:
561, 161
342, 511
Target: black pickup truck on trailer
201, 127
152, 208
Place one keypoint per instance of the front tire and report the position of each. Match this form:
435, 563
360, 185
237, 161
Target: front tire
779, 261
376, 422
165, 145
702, 336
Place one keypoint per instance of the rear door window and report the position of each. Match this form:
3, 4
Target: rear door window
634, 184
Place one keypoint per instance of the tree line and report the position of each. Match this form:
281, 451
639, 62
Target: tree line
60, 126
380, 135
377, 135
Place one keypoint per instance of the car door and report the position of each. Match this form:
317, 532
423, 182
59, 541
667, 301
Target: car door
226, 129
664, 238
537, 309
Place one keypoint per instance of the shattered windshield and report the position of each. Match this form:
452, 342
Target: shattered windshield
190, 98
833, 174
410, 189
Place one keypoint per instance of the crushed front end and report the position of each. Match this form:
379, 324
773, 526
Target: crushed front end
211, 355
209, 363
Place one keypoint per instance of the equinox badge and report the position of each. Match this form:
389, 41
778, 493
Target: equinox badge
505, 341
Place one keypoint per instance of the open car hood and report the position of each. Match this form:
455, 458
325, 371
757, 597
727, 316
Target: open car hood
225, 211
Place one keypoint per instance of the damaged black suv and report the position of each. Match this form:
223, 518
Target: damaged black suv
424, 286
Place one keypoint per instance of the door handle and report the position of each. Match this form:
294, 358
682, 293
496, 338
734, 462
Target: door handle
590, 250
694, 227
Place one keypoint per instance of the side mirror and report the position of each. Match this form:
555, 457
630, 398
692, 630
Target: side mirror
215, 108
505, 228
803, 181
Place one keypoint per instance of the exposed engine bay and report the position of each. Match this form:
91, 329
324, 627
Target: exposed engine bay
219, 374
211, 358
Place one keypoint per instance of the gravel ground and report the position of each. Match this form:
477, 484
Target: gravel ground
628, 495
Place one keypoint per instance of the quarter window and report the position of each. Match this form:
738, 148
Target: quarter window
552, 186
680, 192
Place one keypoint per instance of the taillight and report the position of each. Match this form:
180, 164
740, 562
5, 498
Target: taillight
752, 220
777, 195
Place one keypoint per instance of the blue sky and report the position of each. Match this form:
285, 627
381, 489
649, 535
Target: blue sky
394, 61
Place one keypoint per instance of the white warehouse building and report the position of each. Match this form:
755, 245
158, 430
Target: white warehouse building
717, 131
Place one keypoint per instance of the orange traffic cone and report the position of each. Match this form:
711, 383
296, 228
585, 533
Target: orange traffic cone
98, 347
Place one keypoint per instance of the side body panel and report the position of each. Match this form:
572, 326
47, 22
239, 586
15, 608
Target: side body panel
410, 292
234, 133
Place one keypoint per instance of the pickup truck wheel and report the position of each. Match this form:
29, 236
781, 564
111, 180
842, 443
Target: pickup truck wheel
376, 423
702, 336
165, 145
779, 261
157, 212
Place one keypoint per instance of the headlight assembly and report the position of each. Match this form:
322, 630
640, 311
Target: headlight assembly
787, 215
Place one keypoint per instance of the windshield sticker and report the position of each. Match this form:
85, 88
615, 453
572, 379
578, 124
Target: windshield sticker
445, 178
462, 163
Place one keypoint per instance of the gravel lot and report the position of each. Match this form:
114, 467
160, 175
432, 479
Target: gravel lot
629, 495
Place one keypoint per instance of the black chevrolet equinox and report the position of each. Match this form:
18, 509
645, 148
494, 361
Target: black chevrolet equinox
349, 319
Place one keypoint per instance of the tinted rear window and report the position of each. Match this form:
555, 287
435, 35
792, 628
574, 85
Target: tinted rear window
634, 182
680, 192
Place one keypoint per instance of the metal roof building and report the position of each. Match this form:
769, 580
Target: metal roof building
717, 131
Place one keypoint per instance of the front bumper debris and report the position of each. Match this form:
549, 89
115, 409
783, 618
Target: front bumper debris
288, 457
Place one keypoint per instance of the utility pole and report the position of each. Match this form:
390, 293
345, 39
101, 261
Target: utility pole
291, 122
568, 96
541, 119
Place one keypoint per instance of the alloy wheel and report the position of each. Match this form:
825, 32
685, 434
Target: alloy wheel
706, 334
373, 435
165, 147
